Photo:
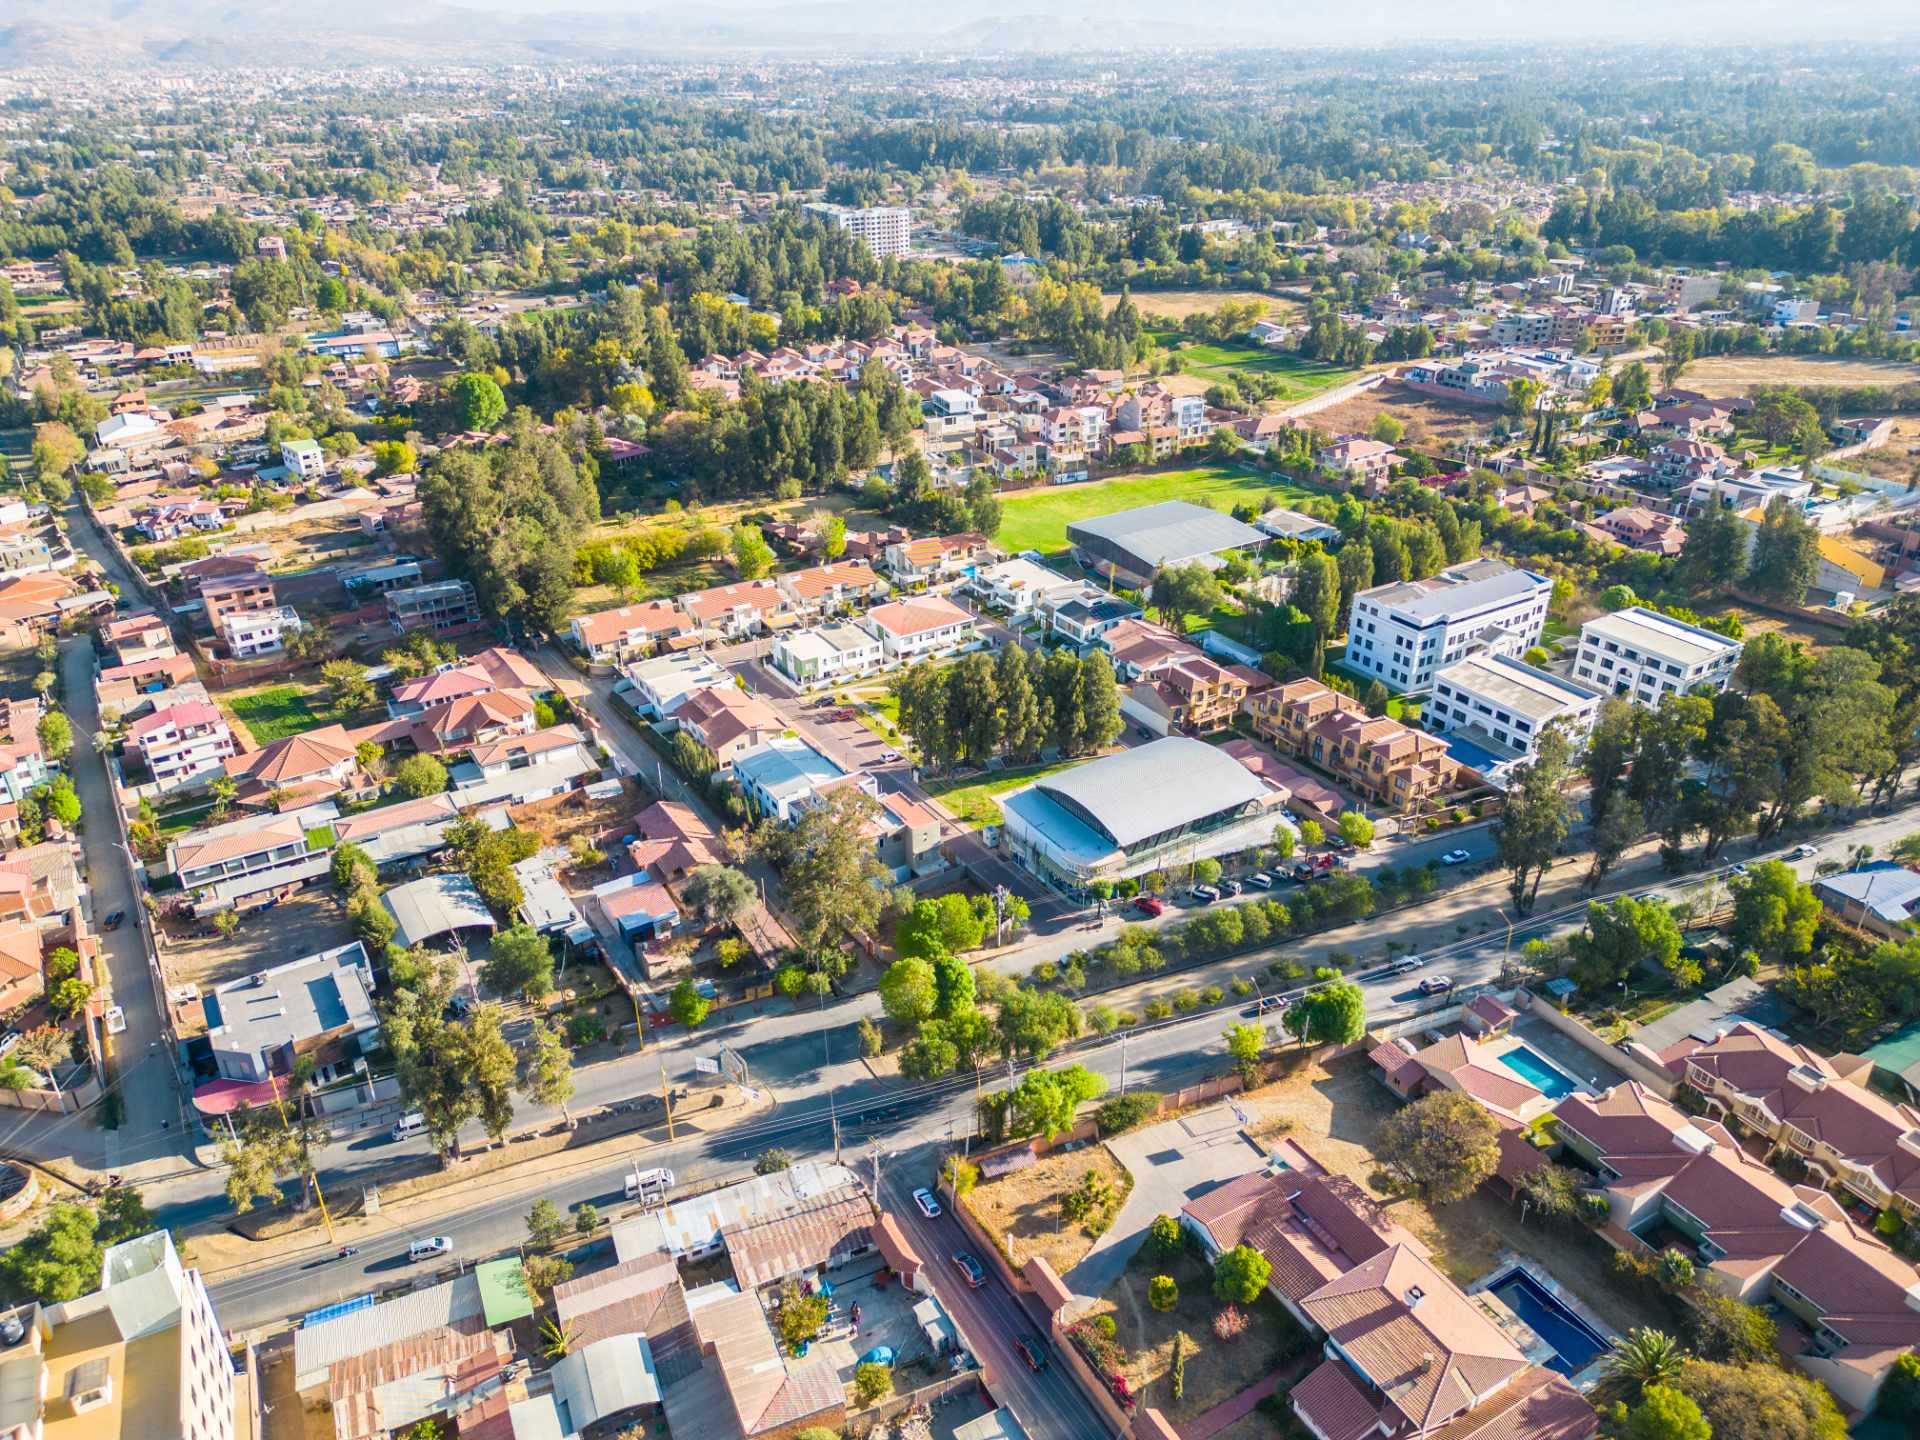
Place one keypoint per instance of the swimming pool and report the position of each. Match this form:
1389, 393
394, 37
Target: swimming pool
1575, 1342
1549, 1080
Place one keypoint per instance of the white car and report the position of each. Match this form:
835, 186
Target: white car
1260, 880
1805, 852
428, 1246
1434, 984
929, 1206
1455, 857
116, 1020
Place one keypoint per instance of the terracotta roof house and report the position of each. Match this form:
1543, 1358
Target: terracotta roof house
22, 978
736, 611
838, 586
923, 626
608, 637
726, 720
1381, 758
323, 757
1462, 1063
1821, 1109
474, 720
744, 1388
1848, 1305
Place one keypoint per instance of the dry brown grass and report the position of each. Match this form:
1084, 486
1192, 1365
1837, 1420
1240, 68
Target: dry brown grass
1737, 374
1215, 1369
1897, 460
1026, 1205
1178, 304
1430, 422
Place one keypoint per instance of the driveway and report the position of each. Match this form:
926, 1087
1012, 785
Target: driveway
1171, 1163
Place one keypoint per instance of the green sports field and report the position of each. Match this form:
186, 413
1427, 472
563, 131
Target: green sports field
1304, 379
1038, 520
274, 713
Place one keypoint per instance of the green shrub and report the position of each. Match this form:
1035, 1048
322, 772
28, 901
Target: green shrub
584, 1029
1158, 1009
1123, 1112
1165, 1239
1162, 1293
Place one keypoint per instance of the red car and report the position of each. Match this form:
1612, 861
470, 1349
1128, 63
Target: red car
1150, 905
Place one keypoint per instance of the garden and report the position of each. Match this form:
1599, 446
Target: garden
277, 711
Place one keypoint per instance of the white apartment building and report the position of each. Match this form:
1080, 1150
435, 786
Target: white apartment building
1504, 704
885, 229
304, 458
1643, 655
1188, 415
919, 628
1404, 633
1019, 586
258, 632
1528, 327
656, 687
950, 414
182, 742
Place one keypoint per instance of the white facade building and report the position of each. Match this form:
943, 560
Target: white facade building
258, 632
304, 458
825, 654
885, 229
1643, 655
1021, 586
916, 629
1404, 633
1498, 699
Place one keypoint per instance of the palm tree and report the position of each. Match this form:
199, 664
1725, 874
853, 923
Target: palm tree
1645, 1357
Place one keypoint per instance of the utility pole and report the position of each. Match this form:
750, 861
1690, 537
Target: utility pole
666, 1099
1123, 1062
873, 1156
833, 1117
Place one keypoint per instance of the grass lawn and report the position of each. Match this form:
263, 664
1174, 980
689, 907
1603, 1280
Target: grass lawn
973, 802
275, 713
1211, 360
1038, 520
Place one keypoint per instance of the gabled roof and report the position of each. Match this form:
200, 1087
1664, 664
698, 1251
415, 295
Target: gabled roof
296, 758
916, 617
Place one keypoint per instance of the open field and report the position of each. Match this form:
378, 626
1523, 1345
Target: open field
1026, 1205
1738, 374
1431, 423
1214, 362
1178, 304
1037, 520
1898, 459
277, 711
975, 802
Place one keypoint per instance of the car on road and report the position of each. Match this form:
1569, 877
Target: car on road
116, 1020
1405, 964
972, 1269
1033, 1352
1737, 870
1263, 1005
1435, 984
1455, 857
929, 1206
428, 1246
115, 919
1260, 880
1230, 887
1150, 905
1805, 852
890, 756
1203, 894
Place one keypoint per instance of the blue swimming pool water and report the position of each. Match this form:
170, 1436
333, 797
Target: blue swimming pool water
1550, 1081
1574, 1341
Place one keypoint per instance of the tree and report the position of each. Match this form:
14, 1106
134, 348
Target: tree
1724, 1329
1785, 558
347, 684
1622, 936
829, 867
353, 869
122, 1215
752, 556
1714, 554
1181, 591
520, 963
687, 1005
800, 1315
1163, 1294
546, 1069
833, 537
63, 801
1240, 1274
1440, 1147
908, 992
393, 457
1164, 1239
1645, 1357
1774, 914
258, 1150
59, 1260
1356, 829
953, 985
56, 450
1665, 1414
1618, 597
1551, 1191
1032, 1023
478, 403
1761, 1402
1046, 1101
772, 1162
719, 894
420, 776
1244, 1045
1900, 1394
871, 1380
1334, 1013
1316, 591
1677, 355
1538, 815
451, 1071
1633, 390
949, 925
55, 733
69, 997
546, 1223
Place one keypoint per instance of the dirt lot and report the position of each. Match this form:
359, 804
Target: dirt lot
1431, 423
1178, 304
302, 924
1898, 459
1214, 1369
1737, 374
287, 1418
1027, 1203
1334, 1113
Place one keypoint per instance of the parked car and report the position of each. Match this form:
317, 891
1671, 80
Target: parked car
929, 1206
115, 919
1805, 852
1260, 880
1230, 887
1033, 1352
1434, 984
972, 1269
116, 1020
1740, 869
1150, 905
8, 1041
1205, 894
1455, 857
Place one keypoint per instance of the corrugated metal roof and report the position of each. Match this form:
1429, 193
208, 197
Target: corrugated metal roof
455, 1303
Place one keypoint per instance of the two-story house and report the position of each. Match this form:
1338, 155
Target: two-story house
181, 743
735, 612
919, 628
832, 589
936, 560
725, 720
223, 865
609, 637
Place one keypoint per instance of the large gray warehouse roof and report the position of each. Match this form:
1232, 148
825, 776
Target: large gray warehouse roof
1155, 787
1168, 533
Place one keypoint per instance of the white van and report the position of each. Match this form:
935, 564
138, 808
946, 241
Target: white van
411, 1123
649, 1184
429, 1246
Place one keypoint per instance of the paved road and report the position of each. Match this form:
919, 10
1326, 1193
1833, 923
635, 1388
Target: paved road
992, 1317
